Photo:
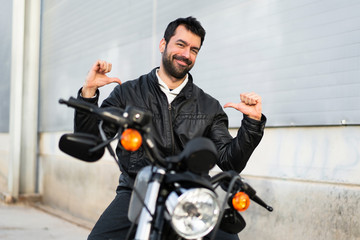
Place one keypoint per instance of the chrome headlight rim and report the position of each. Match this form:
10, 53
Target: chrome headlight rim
208, 220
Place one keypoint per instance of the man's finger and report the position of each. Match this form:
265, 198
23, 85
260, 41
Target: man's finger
96, 66
103, 65
250, 98
109, 67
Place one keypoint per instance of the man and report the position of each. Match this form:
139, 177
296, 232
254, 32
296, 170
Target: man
181, 111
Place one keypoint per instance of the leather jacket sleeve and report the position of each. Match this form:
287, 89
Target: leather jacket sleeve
234, 153
86, 123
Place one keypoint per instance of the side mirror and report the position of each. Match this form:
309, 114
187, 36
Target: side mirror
81, 146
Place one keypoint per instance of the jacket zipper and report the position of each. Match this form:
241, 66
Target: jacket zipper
171, 131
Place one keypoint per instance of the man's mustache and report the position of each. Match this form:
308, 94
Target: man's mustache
184, 59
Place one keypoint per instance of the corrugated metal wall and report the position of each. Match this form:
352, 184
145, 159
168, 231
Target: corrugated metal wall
302, 56
77, 33
5, 59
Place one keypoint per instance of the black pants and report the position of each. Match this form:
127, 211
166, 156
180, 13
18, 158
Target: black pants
114, 223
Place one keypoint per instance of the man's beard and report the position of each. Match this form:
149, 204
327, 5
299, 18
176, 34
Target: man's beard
171, 68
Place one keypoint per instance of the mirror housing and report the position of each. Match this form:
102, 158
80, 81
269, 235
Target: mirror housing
81, 146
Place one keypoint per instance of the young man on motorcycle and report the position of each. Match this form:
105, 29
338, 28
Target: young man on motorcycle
181, 111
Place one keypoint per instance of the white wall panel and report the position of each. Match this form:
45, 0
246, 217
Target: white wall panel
319, 154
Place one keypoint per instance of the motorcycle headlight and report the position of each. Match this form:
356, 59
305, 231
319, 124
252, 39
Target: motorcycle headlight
193, 212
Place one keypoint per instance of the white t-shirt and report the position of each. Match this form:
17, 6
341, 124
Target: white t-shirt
171, 94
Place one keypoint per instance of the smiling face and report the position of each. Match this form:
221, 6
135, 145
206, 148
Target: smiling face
179, 54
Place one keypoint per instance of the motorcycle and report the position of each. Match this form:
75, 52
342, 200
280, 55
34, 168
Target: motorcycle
173, 197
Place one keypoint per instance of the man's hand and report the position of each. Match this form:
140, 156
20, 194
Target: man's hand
250, 105
96, 78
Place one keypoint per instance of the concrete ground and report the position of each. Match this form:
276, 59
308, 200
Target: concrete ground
23, 221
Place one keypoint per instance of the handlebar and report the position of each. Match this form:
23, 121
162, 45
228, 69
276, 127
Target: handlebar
78, 105
243, 186
130, 117
112, 115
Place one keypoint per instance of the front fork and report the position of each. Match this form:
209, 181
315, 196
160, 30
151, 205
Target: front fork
147, 213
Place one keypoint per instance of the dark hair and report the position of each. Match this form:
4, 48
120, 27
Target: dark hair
190, 23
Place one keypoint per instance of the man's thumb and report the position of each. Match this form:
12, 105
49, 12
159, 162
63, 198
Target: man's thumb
229, 104
115, 79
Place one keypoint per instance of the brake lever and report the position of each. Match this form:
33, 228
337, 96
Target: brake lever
252, 195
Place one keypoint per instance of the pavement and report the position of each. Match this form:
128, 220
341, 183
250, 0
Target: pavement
24, 221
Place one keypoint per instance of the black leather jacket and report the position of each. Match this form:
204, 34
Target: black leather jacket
193, 113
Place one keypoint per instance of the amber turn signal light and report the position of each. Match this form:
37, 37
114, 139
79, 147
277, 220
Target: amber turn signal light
131, 139
240, 201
